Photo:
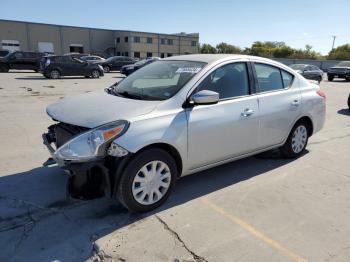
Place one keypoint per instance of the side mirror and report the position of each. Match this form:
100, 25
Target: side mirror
204, 97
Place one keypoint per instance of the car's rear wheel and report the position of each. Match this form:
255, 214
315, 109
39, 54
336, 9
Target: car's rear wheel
95, 74
330, 78
55, 74
319, 79
147, 180
297, 140
4, 68
106, 69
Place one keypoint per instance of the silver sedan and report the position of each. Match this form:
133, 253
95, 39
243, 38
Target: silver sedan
178, 116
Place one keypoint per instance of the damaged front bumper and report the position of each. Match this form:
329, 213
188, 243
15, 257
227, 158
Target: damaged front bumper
88, 178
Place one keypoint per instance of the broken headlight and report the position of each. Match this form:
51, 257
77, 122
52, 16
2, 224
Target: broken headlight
92, 143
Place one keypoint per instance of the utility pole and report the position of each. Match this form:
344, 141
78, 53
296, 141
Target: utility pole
334, 37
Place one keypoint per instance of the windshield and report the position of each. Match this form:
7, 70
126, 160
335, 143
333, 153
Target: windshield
110, 59
158, 81
344, 64
297, 67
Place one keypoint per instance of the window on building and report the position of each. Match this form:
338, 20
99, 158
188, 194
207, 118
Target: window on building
170, 42
169, 54
126, 39
137, 54
118, 53
194, 43
229, 81
149, 40
126, 54
162, 41
76, 48
118, 39
149, 54
162, 55
269, 77
137, 39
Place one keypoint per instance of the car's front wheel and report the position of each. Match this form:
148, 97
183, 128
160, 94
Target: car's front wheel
147, 180
349, 101
330, 78
55, 74
106, 69
297, 140
95, 74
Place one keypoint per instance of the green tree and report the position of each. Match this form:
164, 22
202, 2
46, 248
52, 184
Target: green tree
340, 53
207, 49
224, 48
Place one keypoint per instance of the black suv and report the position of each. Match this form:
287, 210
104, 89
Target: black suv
56, 66
4, 53
20, 60
116, 63
341, 70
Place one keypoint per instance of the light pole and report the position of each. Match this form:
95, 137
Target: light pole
334, 37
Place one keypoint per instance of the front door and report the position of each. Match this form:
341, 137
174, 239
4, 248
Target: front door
229, 128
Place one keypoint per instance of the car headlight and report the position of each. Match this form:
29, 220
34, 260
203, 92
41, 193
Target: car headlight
92, 143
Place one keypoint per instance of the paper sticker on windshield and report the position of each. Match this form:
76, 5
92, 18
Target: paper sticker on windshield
192, 70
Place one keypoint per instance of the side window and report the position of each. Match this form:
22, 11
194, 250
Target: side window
269, 77
287, 78
18, 55
229, 81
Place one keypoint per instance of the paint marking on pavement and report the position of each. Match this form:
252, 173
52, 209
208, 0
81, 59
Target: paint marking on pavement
253, 231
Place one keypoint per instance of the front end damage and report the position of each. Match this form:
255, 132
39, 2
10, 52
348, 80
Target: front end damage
90, 176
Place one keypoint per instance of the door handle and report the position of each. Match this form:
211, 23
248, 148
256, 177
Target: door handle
247, 112
295, 103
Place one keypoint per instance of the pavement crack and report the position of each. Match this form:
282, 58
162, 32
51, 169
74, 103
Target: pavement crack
196, 257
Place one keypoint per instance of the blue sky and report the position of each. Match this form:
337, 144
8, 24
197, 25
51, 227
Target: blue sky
296, 22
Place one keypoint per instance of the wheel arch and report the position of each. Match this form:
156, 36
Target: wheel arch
308, 121
168, 148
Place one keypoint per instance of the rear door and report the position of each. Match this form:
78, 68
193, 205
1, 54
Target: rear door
229, 128
279, 103
17, 61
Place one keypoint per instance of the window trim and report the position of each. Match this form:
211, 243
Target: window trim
249, 74
257, 87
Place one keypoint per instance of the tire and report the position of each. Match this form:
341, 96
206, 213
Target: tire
319, 80
55, 74
297, 141
349, 101
95, 74
106, 69
4, 68
130, 192
330, 78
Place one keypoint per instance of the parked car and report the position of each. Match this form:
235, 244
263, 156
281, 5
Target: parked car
56, 66
309, 71
93, 59
178, 116
4, 53
115, 63
341, 70
20, 60
128, 69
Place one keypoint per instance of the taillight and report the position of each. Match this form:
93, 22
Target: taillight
321, 93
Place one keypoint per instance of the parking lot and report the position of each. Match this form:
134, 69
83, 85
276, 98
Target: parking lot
262, 208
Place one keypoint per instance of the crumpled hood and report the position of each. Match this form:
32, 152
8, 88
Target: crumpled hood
97, 108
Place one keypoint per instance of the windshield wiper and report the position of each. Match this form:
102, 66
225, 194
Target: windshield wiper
126, 94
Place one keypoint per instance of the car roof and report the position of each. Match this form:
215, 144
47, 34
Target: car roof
211, 58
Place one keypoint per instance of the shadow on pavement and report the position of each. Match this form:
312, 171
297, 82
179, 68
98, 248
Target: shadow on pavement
37, 221
344, 111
